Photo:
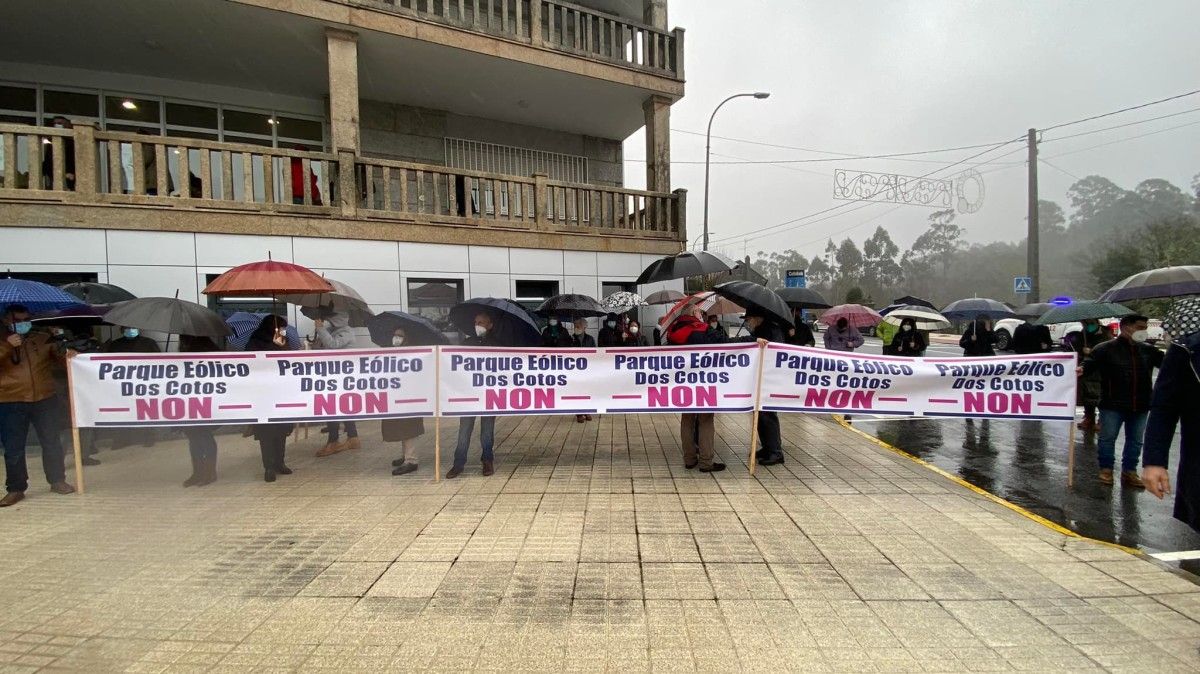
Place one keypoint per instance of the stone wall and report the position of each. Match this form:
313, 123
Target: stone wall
408, 133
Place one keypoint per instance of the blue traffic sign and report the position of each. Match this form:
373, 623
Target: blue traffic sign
795, 278
1022, 285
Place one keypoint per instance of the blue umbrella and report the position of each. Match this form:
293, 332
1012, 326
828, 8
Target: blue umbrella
976, 307
418, 330
514, 325
37, 297
244, 323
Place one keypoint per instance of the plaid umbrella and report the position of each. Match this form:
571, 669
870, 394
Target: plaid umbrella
37, 297
856, 314
270, 277
244, 323
623, 301
1183, 318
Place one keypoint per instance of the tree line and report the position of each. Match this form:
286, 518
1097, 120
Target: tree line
1110, 233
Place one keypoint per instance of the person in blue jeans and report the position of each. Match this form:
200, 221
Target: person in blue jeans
484, 336
1125, 365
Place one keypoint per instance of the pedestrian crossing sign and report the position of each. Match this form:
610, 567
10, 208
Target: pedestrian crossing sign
1022, 285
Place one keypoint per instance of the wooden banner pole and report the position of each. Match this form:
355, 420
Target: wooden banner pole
1071, 456
437, 414
74, 428
762, 356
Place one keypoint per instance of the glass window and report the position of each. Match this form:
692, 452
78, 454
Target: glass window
70, 103
18, 98
130, 109
301, 130
248, 122
196, 116
531, 294
433, 299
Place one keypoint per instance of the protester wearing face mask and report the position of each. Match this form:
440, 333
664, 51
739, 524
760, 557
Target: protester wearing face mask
978, 340
331, 330
610, 332
771, 452
1125, 365
697, 431
405, 430
633, 335
908, 340
27, 362
714, 326
485, 335
131, 340
554, 335
1087, 392
842, 336
271, 335
580, 339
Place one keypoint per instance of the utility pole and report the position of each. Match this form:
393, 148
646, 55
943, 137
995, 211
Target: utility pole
1031, 243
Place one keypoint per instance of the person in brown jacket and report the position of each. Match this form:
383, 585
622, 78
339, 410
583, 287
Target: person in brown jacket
27, 361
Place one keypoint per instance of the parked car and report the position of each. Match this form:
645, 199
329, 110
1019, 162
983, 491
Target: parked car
1006, 327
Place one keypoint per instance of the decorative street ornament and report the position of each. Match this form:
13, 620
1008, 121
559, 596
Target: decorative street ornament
893, 188
969, 188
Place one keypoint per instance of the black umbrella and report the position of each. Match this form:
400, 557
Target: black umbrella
683, 265
1034, 310
803, 298
756, 299
572, 306
1162, 282
976, 307
98, 293
514, 326
170, 315
909, 299
418, 330
83, 315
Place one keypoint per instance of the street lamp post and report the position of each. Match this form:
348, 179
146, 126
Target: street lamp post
708, 148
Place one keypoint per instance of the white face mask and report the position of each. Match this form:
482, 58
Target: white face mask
397, 340
1140, 336
553, 322
905, 328
611, 324
480, 330
633, 329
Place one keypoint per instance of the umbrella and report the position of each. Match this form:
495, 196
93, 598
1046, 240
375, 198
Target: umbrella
514, 326
685, 264
1080, 311
1034, 310
757, 300
1183, 318
1163, 282
36, 297
243, 324
623, 301
924, 317
343, 299
709, 302
665, 297
269, 277
910, 300
856, 314
803, 298
418, 330
82, 314
892, 307
572, 306
976, 307
98, 293
168, 314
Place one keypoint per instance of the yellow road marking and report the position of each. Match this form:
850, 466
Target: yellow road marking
983, 492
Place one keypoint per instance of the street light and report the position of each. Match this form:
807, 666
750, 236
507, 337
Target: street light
708, 147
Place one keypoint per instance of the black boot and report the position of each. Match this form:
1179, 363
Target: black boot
280, 467
197, 472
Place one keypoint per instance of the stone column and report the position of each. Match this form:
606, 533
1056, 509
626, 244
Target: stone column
342, 49
658, 143
654, 13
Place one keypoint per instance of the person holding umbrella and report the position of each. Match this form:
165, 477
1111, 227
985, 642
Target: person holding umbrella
27, 361
201, 444
331, 330
908, 340
271, 335
697, 430
763, 329
801, 334
131, 341
398, 329
1087, 392
554, 335
610, 334
580, 338
978, 340
842, 336
633, 335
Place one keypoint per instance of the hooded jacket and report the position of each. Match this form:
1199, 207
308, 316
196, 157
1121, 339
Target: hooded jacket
843, 340
336, 333
31, 378
983, 344
1125, 367
1176, 398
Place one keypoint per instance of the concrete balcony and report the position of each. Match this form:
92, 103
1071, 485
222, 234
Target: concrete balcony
83, 177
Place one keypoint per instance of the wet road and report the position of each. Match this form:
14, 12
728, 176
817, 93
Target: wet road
1025, 462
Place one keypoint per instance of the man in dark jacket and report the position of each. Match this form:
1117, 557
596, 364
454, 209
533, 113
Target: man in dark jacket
1125, 365
486, 336
580, 338
771, 453
554, 335
697, 430
978, 340
1176, 398
1030, 338
802, 334
1087, 392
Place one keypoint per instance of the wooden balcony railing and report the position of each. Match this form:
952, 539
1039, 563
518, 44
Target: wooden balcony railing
553, 24
83, 165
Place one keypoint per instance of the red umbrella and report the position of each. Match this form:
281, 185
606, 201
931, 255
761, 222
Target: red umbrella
269, 277
858, 315
708, 301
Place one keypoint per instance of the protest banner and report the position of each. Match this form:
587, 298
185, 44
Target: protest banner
803, 379
500, 381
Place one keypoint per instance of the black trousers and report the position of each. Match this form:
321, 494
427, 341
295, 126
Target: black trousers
768, 432
15, 420
272, 441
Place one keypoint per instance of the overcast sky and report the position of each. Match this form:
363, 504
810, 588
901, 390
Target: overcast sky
858, 77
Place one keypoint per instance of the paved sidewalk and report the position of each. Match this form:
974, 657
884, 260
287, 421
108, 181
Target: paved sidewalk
591, 548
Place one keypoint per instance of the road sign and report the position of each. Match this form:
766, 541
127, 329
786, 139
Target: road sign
795, 278
1022, 285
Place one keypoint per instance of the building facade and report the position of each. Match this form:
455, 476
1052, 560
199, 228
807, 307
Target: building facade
422, 151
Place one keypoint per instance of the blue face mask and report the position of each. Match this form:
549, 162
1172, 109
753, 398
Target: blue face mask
22, 328
131, 333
